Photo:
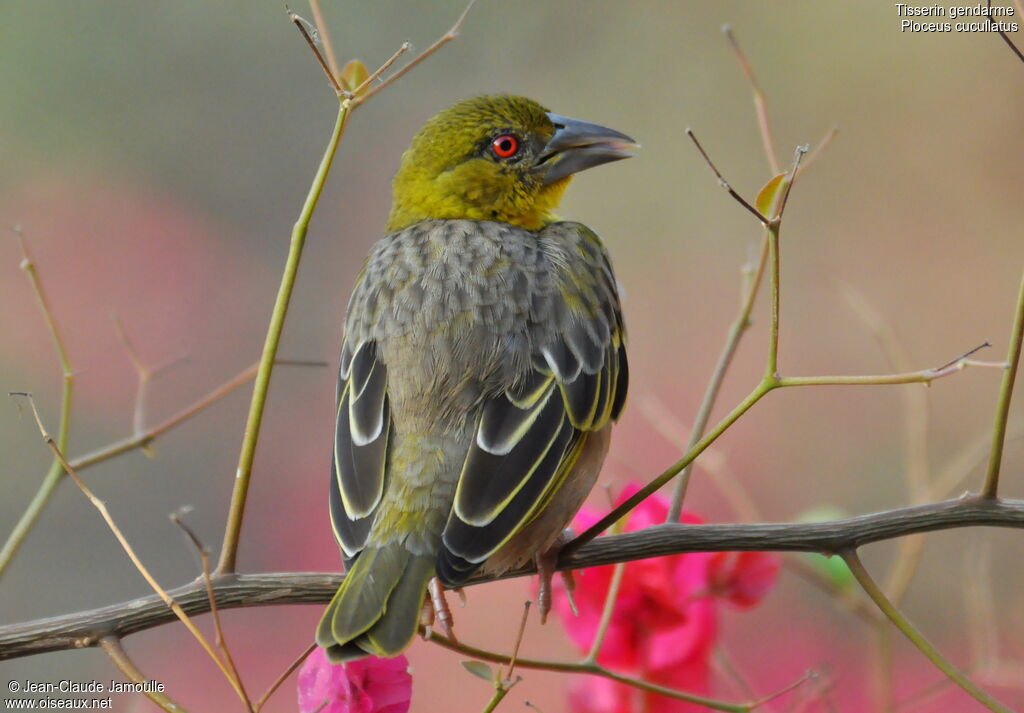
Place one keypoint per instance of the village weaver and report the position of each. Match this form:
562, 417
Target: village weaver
482, 367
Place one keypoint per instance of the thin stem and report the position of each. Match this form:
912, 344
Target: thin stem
816, 152
771, 369
760, 106
736, 332
221, 642
607, 612
609, 605
259, 397
56, 473
916, 637
1006, 38
332, 76
145, 438
325, 36
1005, 394
144, 375
405, 47
136, 441
129, 550
441, 41
284, 676
721, 179
591, 668
111, 645
597, 528
499, 693
519, 641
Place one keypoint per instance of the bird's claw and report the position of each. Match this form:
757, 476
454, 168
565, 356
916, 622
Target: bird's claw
437, 610
546, 562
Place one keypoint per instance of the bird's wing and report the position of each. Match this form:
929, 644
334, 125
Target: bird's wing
529, 435
360, 445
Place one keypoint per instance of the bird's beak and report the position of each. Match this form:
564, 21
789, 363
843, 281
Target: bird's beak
578, 145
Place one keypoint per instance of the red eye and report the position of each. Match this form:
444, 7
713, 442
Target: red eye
505, 146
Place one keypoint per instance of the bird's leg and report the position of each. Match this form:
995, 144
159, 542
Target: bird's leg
438, 607
546, 562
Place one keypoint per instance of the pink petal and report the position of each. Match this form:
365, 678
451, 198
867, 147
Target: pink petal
367, 685
744, 578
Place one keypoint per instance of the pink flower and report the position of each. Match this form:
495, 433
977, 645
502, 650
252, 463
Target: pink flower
368, 685
665, 619
743, 578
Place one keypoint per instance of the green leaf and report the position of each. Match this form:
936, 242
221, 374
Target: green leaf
821, 513
833, 568
766, 196
352, 75
479, 669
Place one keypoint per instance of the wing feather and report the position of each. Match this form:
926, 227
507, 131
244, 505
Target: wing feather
528, 435
362, 432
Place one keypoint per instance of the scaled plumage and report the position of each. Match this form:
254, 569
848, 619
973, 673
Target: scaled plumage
482, 365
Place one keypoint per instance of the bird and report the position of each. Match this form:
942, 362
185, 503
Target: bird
483, 364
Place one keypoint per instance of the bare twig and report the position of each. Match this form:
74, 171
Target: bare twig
144, 373
817, 150
332, 74
589, 668
441, 41
724, 183
284, 676
325, 36
916, 637
129, 550
84, 629
56, 473
760, 106
1006, 38
403, 48
221, 642
111, 645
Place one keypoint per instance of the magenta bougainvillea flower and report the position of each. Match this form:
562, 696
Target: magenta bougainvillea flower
368, 685
665, 619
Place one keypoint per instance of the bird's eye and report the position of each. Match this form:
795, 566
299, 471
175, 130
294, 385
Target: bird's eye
505, 146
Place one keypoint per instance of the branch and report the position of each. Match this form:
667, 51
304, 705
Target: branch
85, 629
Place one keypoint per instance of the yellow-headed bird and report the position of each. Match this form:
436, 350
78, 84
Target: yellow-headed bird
482, 367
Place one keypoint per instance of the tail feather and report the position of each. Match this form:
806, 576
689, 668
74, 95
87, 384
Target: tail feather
376, 609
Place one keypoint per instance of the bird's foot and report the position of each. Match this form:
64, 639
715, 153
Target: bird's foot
437, 610
546, 562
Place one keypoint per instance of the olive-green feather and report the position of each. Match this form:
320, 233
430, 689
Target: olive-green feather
377, 607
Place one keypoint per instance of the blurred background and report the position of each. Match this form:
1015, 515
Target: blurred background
156, 155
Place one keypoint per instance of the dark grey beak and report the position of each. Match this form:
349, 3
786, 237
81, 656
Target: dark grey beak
578, 145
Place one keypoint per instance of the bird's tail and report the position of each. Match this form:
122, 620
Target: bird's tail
377, 607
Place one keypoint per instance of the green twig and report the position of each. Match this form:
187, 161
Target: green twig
593, 669
56, 473
916, 637
1005, 394
259, 397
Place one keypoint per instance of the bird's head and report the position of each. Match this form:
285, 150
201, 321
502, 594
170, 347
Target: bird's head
498, 157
